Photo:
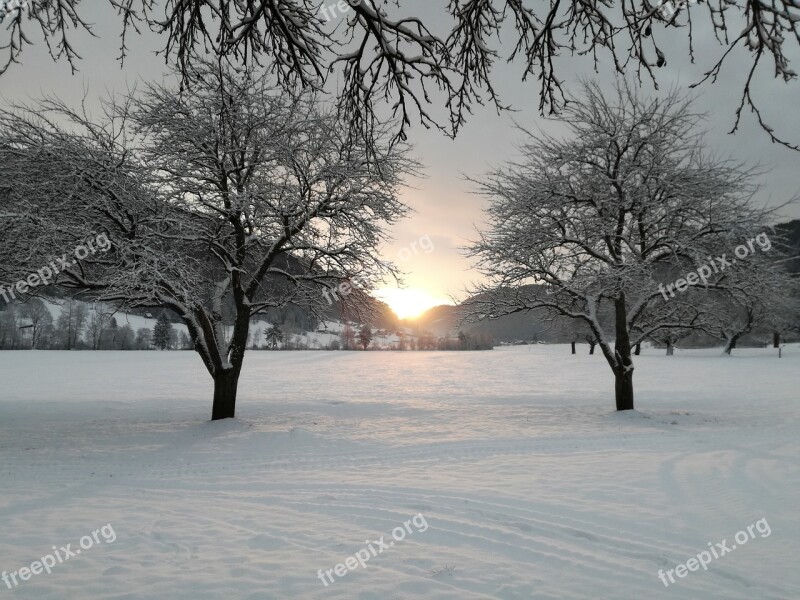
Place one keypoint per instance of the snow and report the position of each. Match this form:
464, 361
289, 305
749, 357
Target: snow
531, 485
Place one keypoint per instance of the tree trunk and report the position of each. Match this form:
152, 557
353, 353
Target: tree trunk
670, 349
776, 339
623, 385
591, 347
225, 386
573, 347
69, 328
638, 349
623, 370
731, 344
226, 380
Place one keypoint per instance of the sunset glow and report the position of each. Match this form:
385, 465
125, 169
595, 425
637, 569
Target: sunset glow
410, 303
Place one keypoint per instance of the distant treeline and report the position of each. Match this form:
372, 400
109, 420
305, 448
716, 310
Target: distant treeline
84, 326
30, 325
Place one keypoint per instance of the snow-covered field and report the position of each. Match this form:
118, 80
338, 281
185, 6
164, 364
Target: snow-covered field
528, 484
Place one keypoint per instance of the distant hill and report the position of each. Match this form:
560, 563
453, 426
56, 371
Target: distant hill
446, 319
791, 231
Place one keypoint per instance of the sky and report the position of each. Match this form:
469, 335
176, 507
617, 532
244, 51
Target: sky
428, 246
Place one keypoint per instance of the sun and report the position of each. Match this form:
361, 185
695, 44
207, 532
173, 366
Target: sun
409, 303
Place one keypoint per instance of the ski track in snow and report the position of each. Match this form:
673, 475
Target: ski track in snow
531, 485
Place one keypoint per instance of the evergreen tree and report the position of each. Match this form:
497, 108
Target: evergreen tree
365, 336
161, 332
274, 336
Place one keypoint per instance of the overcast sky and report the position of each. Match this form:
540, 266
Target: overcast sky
445, 209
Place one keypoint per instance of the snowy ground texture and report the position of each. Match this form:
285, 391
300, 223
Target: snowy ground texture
531, 486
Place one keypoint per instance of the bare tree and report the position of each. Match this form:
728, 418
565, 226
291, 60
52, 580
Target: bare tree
382, 54
219, 204
40, 318
732, 321
9, 328
348, 337
603, 217
70, 322
756, 294
669, 322
144, 337
565, 329
785, 320
669, 337
125, 338
99, 317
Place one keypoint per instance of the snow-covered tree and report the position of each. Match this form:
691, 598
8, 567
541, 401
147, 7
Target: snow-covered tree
219, 204
756, 293
605, 216
573, 331
785, 320
670, 337
383, 54
671, 321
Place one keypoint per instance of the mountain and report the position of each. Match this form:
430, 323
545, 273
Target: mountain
446, 320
